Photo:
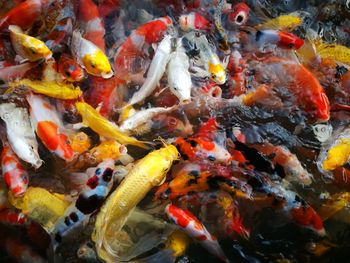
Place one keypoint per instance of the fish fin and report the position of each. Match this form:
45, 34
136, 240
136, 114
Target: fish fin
164, 256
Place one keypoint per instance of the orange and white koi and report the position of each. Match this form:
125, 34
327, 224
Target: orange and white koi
70, 69
16, 178
24, 14
90, 56
194, 228
131, 49
91, 23
193, 21
179, 78
155, 72
202, 145
20, 134
28, 47
48, 126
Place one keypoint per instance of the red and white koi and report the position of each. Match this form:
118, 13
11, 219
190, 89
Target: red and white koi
89, 200
179, 78
16, 178
238, 16
279, 38
91, 23
20, 134
48, 127
195, 229
193, 21
155, 71
12, 217
146, 34
24, 14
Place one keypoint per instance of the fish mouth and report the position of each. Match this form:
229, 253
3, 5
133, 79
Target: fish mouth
107, 75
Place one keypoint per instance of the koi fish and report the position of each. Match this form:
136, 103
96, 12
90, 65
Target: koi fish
219, 32
52, 89
210, 59
193, 21
238, 16
148, 172
23, 15
12, 217
48, 126
20, 134
132, 124
90, 57
202, 145
13, 72
91, 23
306, 88
146, 34
155, 72
334, 204
57, 37
89, 200
279, 38
41, 206
16, 178
80, 142
105, 7
179, 78
287, 22
28, 47
194, 228
70, 69
337, 154
103, 127
290, 163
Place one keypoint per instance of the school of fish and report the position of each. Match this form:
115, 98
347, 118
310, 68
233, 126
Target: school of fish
174, 131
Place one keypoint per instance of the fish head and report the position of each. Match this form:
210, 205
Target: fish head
239, 14
217, 73
211, 150
35, 49
307, 217
97, 64
70, 69
289, 40
320, 109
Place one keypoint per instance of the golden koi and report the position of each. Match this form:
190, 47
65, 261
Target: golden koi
338, 155
287, 22
52, 89
147, 173
28, 47
103, 127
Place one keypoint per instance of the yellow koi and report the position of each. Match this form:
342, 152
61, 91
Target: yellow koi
332, 206
148, 172
107, 150
338, 155
287, 22
178, 242
41, 206
80, 142
52, 89
103, 127
28, 47
333, 51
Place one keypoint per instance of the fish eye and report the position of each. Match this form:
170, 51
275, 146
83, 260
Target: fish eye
93, 65
67, 73
33, 50
212, 75
290, 45
98, 171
